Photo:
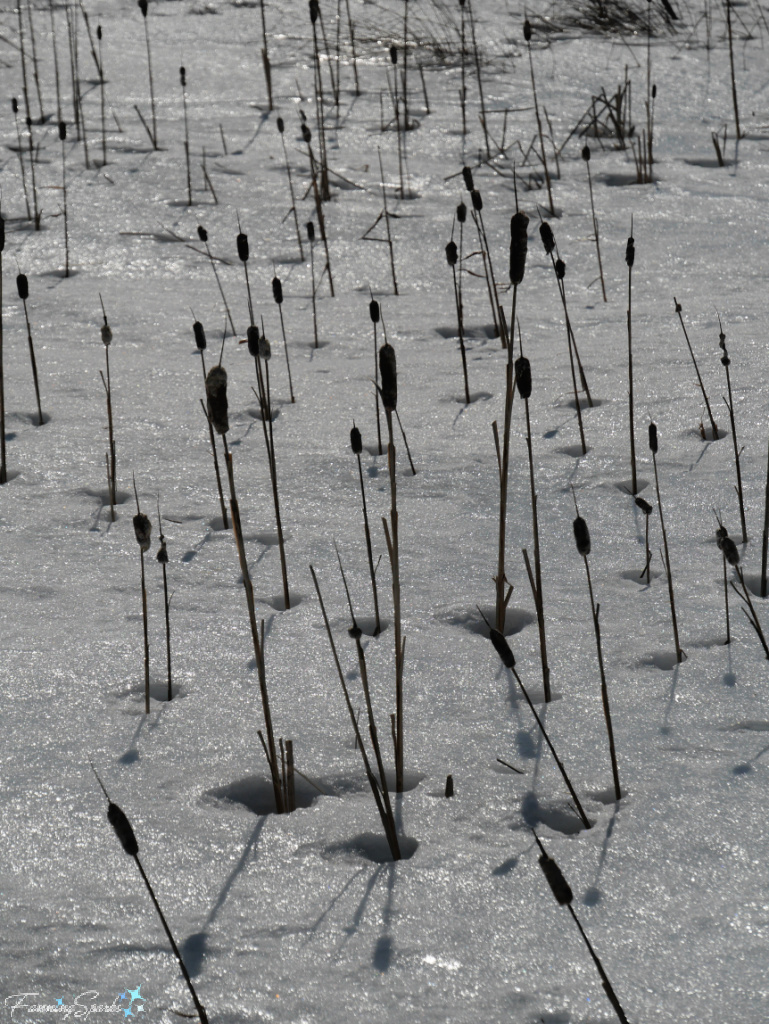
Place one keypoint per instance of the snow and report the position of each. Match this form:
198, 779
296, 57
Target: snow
303, 918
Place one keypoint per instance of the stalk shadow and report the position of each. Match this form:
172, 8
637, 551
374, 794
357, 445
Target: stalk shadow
593, 894
666, 728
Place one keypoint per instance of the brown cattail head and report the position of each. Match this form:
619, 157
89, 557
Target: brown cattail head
653, 437
654, 91
117, 818
582, 536
558, 884
630, 252
721, 533
106, 335
2, 232
22, 284
373, 311
143, 7
502, 647
560, 269
265, 351
356, 441
467, 174
725, 360
310, 231
216, 398
314, 11
202, 233
527, 31
252, 337
586, 153
306, 133
449, 791
393, 55
523, 377
644, 506
729, 548
281, 125
62, 130
388, 373
200, 335
452, 254
15, 105
547, 236
519, 242
143, 530
475, 195
183, 76
277, 290
162, 555
461, 213
98, 32
242, 243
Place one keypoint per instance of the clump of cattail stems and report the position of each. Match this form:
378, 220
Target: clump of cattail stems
389, 395
647, 510
200, 341
378, 789
320, 216
502, 647
243, 254
3, 463
15, 109
728, 5
183, 83
582, 539
106, 337
216, 402
162, 557
559, 269
523, 384
259, 348
311, 240
143, 532
452, 257
586, 158
277, 294
732, 556
729, 402
653, 445
542, 153
203, 236
356, 443
143, 7
320, 115
266, 58
714, 428
281, 129
127, 837
561, 889
63, 138
374, 314
519, 223
22, 286
630, 260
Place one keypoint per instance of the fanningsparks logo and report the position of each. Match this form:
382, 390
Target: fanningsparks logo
129, 1003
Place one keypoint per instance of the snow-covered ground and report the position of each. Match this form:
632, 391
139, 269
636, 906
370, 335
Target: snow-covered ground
302, 918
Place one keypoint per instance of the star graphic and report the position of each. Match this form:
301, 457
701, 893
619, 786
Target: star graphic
135, 993
59, 1001
127, 1013
122, 996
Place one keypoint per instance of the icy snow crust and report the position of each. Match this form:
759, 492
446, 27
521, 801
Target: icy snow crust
301, 918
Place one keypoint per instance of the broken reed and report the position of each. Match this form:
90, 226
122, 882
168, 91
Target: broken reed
311, 239
356, 443
22, 286
143, 532
106, 337
200, 341
543, 154
523, 384
586, 158
729, 402
630, 260
183, 83
125, 833
714, 428
203, 236
217, 408
277, 294
582, 539
154, 133
647, 510
653, 445
3, 463
281, 129
162, 557
378, 789
452, 257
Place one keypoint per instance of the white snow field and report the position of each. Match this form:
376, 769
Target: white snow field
304, 917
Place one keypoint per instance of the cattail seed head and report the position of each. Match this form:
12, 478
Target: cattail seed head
721, 534
654, 91
560, 269
62, 130
216, 398
729, 548
630, 251
252, 337
355, 632
582, 536
644, 506
143, 7
653, 437
162, 555
314, 11
388, 373
183, 76
519, 243
502, 647
356, 441
200, 335
310, 231
722, 341
452, 255
98, 32
143, 530
15, 105
277, 290
523, 376
547, 236
265, 350
586, 153
306, 133
393, 55
242, 243
467, 174
558, 884
475, 195
461, 213
449, 791
2, 232
373, 311
725, 360
106, 335
527, 31
202, 233
281, 125
22, 286
122, 825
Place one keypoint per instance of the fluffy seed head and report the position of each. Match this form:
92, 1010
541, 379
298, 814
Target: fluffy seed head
729, 548
117, 818
558, 884
22, 284
242, 243
389, 375
523, 376
721, 534
356, 441
452, 254
547, 236
502, 647
143, 530
582, 536
653, 437
216, 398
277, 290
644, 506
519, 243
202, 233
373, 311
586, 153
461, 213
475, 195
252, 337
467, 174
106, 335
200, 335
527, 31
630, 251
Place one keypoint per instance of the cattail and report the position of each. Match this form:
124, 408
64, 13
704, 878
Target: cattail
502, 647
356, 441
560, 269
200, 335
242, 243
277, 290
162, 555
202, 233
630, 252
477, 201
306, 133
310, 231
644, 506
729, 548
461, 213
22, 285
452, 254
467, 174
314, 11
519, 242
106, 335
373, 311
143, 531
586, 153
527, 30
216, 397
387, 371
582, 536
547, 236
123, 829
281, 125
558, 884
523, 376
449, 791
653, 445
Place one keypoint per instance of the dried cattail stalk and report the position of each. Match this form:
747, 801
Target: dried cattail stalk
22, 286
586, 158
452, 257
143, 531
162, 558
582, 536
729, 402
356, 443
63, 138
154, 133
374, 315
3, 464
647, 510
654, 446
714, 428
542, 153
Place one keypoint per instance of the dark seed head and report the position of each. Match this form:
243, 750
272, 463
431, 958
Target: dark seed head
547, 236
306, 133
200, 335
281, 125
653, 437
523, 376
143, 530
389, 376
252, 337
277, 290
729, 548
452, 254
582, 536
314, 11
393, 55
265, 350
449, 791
560, 269
586, 153
311, 231
162, 555
373, 311
475, 195
725, 360
356, 441
98, 32
630, 251
654, 91
106, 335
242, 243
202, 233
461, 213
527, 31
62, 130
183, 76
216, 398
143, 7
558, 884
721, 534
519, 243
122, 825
502, 647
15, 105
22, 284
2, 232
467, 174
644, 506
